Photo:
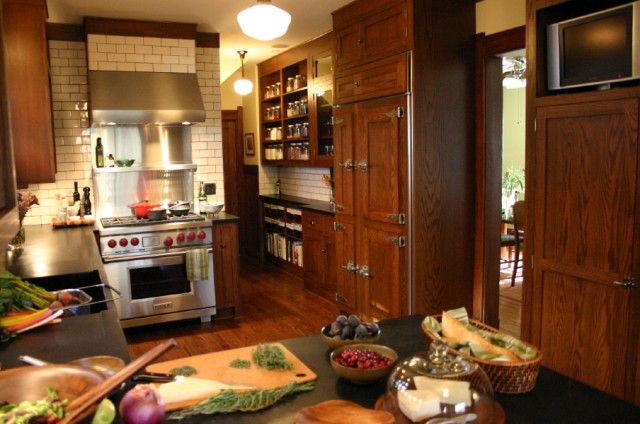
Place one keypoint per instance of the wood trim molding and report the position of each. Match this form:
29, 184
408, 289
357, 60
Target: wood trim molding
65, 32
505, 41
136, 28
208, 39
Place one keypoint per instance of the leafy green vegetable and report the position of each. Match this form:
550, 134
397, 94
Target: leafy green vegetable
240, 363
184, 371
51, 408
232, 401
271, 357
16, 294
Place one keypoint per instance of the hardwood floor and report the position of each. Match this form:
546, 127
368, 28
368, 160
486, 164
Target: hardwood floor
510, 311
275, 306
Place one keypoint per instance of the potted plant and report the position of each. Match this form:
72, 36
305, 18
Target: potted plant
512, 184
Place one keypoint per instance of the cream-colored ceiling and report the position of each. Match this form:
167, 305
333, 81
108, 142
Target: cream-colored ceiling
309, 18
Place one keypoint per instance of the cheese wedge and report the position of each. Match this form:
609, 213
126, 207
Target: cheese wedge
188, 388
456, 332
419, 404
449, 391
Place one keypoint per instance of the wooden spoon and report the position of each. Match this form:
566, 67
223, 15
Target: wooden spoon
78, 407
341, 411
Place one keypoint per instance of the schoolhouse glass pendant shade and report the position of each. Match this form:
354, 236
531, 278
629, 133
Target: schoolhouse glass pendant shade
242, 86
264, 21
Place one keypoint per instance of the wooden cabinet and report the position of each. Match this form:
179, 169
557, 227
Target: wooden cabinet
226, 257
371, 234
391, 127
319, 254
296, 105
28, 91
372, 31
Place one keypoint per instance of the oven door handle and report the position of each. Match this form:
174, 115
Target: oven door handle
158, 255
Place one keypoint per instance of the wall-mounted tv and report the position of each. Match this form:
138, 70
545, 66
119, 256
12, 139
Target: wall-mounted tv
596, 49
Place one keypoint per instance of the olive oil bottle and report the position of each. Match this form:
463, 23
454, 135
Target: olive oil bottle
99, 154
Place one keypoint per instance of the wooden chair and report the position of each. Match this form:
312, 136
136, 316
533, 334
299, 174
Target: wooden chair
519, 216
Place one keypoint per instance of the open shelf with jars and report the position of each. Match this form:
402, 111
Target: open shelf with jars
293, 126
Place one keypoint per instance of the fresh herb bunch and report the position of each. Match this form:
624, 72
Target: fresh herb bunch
271, 357
232, 401
184, 371
240, 363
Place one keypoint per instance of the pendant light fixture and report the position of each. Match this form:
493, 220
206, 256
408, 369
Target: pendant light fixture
242, 86
264, 21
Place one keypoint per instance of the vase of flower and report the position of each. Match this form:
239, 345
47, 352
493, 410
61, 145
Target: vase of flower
25, 202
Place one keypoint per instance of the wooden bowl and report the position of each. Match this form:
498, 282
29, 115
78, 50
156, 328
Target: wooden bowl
31, 383
335, 342
362, 376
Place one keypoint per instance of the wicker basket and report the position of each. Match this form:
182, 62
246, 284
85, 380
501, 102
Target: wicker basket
506, 377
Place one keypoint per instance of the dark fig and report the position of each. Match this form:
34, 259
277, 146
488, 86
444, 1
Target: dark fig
361, 332
373, 328
353, 321
342, 319
347, 333
335, 329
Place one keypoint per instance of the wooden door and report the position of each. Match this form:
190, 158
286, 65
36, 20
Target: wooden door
586, 240
380, 164
345, 261
348, 42
226, 266
343, 136
387, 32
233, 158
313, 260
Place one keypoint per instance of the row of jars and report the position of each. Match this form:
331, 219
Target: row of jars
294, 83
272, 90
299, 107
272, 113
298, 130
273, 133
298, 151
274, 152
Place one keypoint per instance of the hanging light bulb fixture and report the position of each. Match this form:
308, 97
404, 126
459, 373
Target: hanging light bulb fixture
264, 21
242, 86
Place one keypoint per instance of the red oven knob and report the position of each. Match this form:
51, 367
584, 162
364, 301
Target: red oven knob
191, 236
112, 243
124, 242
168, 241
135, 241
202, 235
180, 237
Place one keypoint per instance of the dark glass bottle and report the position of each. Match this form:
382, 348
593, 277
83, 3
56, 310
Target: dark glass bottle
86, 202
99, 154
76, 193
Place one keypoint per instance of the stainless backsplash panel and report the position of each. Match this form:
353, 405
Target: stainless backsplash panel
114, 191
149, 145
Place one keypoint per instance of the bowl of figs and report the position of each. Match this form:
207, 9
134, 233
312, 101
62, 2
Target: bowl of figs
349, 330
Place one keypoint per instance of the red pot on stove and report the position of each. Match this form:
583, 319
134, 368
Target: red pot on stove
141, 209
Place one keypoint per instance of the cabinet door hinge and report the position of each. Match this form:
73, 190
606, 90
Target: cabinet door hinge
336, 121
396, 113
397, 218
398, 241
340, 298
338, 227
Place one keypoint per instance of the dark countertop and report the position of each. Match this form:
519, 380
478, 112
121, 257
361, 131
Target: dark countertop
224, 218
302, 202
556, 399
61, 251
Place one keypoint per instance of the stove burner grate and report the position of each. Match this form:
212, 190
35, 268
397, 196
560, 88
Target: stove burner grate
124, 221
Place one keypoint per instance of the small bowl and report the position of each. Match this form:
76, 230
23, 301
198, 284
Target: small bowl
336, 341
124, 162
362, 376
213, 208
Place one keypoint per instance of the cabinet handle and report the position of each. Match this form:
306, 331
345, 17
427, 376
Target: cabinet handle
338, 227
398, 241
362, 165
357, 83
397, 218
323, 250
364, 272
348, 165
351, 267
340, 298
627, 283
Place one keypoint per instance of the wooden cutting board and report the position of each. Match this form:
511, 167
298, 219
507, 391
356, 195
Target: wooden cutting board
215, 366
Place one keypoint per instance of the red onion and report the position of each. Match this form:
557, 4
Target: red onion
142, 405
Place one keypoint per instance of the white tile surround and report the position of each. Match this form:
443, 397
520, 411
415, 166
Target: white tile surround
74, 158
141, 54
302, 182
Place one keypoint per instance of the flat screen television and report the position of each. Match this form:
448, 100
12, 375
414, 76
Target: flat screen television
596, 49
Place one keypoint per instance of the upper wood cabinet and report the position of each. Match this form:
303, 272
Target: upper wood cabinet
377, 30
381, 78
28, 90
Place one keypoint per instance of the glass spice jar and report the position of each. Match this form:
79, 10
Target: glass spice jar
277, 89
290, 84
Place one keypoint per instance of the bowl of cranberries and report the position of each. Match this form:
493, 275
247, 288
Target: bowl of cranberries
363, 363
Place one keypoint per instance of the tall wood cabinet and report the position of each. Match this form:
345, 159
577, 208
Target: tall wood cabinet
28, 90
403, 156
582, 249
226, 262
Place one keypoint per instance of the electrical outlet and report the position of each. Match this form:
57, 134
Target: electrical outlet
209, 188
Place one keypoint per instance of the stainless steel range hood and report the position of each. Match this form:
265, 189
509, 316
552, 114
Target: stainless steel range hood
144, 97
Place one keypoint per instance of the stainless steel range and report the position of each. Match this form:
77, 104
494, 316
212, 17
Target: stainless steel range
146, 261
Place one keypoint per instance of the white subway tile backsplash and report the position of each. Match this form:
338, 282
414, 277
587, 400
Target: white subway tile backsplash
144, 67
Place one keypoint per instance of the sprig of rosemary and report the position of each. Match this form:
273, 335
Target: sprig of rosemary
184, 371
271, 357
240, 363
232, 401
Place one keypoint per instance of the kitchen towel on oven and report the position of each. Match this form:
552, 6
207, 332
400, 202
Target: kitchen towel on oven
197, 264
